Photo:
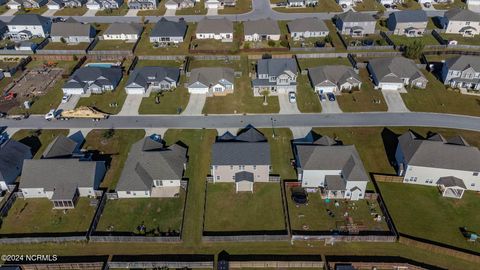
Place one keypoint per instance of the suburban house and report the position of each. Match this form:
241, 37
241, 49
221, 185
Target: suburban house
302, 3
278, 75
218, 29
450, 164
166, 31
259, 30
394, 73
61, 176
462, 72
152, 170
72, 32
410, 23
130, 32
333, 79
27, 26
12, 155
334, 169
214, 81
29, 4
461, 21
3, 29
95, 80
103, 4
58, 4
152, 78
142, 4
243, 159
307, 28
179, 4
355, 24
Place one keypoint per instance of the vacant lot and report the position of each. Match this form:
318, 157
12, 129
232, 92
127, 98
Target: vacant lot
37, 216
38, 140
245, 211
369, 5
421, 211
158, 215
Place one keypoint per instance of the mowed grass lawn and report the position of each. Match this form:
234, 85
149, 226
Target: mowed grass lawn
421, 211
171, 102
71, 11
37, 216
65, 46
145, 47
158, 215
113, 45
114, 150
110, 102
324, 6
314, 216
244, 211
307, 100
38, 140
241, 7
436, 98
427, 39
280, 151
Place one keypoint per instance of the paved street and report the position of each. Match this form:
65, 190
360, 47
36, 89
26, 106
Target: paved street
394, 101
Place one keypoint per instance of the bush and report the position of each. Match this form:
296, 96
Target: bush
109, 133
284, 43
271, 43
414, 50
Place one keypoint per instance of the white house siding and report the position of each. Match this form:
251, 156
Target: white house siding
198, 90
258, 37
226, 173
315, 178
170, 39
73, 91
390, 86
121, 37
53, 6
326, 88
86, 191
308, 34
135, 90
425, 175
3, 185
36, 30
355, 194
35, 193
244, 186
225, 37
133, 194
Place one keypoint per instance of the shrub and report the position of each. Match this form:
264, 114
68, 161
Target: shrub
271, 43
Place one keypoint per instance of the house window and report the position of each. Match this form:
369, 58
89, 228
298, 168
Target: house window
231, 167
254, 167
171, 182
128, 192
472, 184
475, 174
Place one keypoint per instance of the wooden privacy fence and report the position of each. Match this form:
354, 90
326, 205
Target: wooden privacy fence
276, 264
388, 178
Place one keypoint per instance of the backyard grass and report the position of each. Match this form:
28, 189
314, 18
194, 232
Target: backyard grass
280, 151
79, 11
366, 100
454, 4
37, 216
242, 100
305, 63
324, 6
426, 39
241, 7
369, 5
314, 216
245, 211
38, 140
171, 102
198, 9
336, 41
410, 5
113, 45
307, 100
158, 215
436, 98
39, 11
160, 11
113, 149
105, 102
145, 47
441, 218
65, 46
377, 40
3, 9
121, 11
461, 39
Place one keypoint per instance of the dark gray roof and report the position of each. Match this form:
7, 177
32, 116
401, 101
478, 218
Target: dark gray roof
337, 74
438, 154
12, 154
353, 16
71, 28
227, 136
457, 14
451, 181
325, 140
211, 75
217, 26
251, 134
98, 75
144, 75
244, 176
165, 28
241, 153
123, 28
392, 69
335, 182
61, 146
405, 16
150, 143
307, 24
28, 19
142, 167
261, 26
276, 66
458, 140
62, 176
463, 62
338, 157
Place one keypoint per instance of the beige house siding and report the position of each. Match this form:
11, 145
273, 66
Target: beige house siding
455, 26
400, 28
226, 173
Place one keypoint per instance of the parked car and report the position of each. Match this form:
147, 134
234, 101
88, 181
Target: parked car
281, 4
344, 6
50, 115
65, 98
387, 5
292, 97
322, 97
427, 4
331, 96
393, 6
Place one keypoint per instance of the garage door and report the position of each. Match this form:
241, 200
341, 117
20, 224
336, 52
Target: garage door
390, 86
192, 90
135, 91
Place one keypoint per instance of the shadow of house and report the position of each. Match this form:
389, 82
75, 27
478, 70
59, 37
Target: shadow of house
33, 142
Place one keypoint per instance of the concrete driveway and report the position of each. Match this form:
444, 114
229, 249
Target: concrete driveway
9, 12
131, 105
170, 12
195, 104
49, 12
394, 101
285, 106
474, 8
131, 12
90, 13
70, 105
212, 12
330, 106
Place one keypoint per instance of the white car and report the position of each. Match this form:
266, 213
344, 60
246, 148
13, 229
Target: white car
65, 98
50, 115
292, 97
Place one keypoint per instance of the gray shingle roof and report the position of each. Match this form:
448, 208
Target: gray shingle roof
307, 24
438, 154
70, 28
144, 75
211, 75
335, 182
451, 181
150, 144
61, 146
276, 66
215, 26
244, 176
250, 134
337, 74
241, 153
62, 176
463, 62
28, 19
262, 26
165, 28
12, 154
124, 28
457, 14
400, 67
99, 75
142, 167
353, 16
405, 16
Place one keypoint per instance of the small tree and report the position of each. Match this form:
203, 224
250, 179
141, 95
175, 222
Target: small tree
328, 39
271, 43
107, 134
284, 43
414, 50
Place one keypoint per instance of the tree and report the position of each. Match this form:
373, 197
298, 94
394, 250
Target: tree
107, 134
271, 43
284, 43
414, 50
328, 39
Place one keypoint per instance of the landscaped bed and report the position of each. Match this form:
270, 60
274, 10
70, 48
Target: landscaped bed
37, 216
160, 216
421, 211
245, 211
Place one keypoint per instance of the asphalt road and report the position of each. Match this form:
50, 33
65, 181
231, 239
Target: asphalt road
265, 121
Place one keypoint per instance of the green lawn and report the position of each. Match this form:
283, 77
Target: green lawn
65, 46
336, 41
241, 7
39, 11
103, 101
409, 4
170, 101
436, 98
113, 45
159, 215
454, 4
427, 39
114, 150
366, 100
305, 63
145, 47
71, 11
461, 39
314, 216
378, 40
160, 11
121, 11
369, 5
307, 100
280, 151
441, 218
37, 216
3, 9
324, 6
38, 140
244, 211
198, 9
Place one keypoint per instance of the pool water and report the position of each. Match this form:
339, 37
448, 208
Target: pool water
100, 65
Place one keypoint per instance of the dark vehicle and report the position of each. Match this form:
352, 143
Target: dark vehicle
299, 196
367, 42
331, 96
387, 5
281, 4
